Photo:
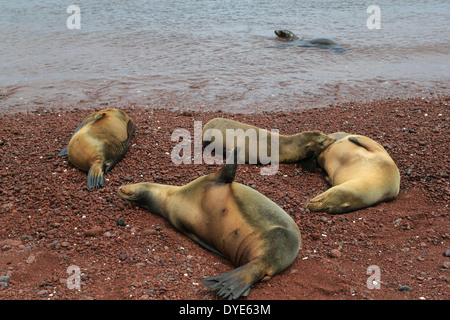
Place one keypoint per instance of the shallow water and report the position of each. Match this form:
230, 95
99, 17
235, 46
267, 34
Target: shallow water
219, 54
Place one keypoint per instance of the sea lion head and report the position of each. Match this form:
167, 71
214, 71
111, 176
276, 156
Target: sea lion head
148, 195
315, 142
136, 193
338, 199
286, 35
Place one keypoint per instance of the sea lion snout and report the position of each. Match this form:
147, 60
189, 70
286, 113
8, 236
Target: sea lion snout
316, 141
127, 191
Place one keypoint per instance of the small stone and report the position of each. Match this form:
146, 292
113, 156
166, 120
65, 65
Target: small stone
30, 259
148, 232
446, 265
397, 222
42, 293
121, 222
93, 232
447, 253
334, 253
405, 288
123, 255
4, 278
315, 236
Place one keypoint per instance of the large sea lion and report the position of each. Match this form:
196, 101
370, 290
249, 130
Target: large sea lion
99, 142
361, 173
227, 218
291, 148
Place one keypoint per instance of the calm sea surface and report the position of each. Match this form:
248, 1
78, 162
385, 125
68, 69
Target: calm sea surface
219, 54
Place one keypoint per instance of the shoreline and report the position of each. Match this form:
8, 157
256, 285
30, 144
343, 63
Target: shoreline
179, 101
46, 212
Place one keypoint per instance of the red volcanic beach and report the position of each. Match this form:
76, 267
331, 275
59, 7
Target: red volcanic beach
53, 229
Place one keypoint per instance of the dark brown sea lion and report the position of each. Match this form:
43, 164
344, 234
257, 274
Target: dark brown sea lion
98, 143
361, 173
227, 218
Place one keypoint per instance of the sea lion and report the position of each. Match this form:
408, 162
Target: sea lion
291, 148
290, 36
98, 143
229, 219
361, 173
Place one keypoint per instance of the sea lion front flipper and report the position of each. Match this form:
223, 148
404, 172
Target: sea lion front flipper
204, 244
124, 146
235, 283
96, 177
86, 121
358, 142
63, 152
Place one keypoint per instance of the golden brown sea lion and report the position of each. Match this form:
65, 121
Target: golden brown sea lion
98, 143
361, 173
227, 218
256, 143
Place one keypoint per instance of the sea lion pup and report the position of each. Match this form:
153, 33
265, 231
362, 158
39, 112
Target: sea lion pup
229, 219
291, 148
361, 173
98, 143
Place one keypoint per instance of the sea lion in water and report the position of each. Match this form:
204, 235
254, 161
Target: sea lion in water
290, 36
291, 148
227, 218
361, 173
98, 143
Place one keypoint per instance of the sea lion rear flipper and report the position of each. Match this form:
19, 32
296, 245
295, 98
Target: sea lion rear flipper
96, 177
235, 283
63, 152
228, 171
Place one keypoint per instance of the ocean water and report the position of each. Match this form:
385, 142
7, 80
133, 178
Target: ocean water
212, 54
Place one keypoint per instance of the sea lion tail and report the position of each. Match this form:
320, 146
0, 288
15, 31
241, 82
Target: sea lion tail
96, 177
235, 283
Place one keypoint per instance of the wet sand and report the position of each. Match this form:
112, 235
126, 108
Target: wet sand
49, 221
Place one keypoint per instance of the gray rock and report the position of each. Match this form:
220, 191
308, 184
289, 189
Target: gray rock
405, 288
121, 222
